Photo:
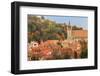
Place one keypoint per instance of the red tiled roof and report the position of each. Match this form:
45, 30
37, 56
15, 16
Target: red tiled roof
80, 33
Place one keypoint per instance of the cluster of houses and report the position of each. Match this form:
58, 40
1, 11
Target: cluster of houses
71, 47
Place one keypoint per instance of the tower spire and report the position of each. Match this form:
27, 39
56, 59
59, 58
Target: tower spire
69, 23
69, 31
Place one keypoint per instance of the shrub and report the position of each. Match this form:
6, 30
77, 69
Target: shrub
84, 53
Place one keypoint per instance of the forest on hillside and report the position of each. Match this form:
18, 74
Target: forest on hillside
44, 29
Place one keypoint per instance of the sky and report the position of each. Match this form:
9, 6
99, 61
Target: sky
74, 20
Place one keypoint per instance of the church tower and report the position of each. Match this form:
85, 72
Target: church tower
69, 31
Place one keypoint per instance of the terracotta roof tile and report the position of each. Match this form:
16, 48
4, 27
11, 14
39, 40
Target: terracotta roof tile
80, 33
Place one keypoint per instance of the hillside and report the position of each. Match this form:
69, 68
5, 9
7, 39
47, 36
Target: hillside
44, 29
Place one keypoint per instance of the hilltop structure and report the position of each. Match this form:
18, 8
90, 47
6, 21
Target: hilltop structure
76, 34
